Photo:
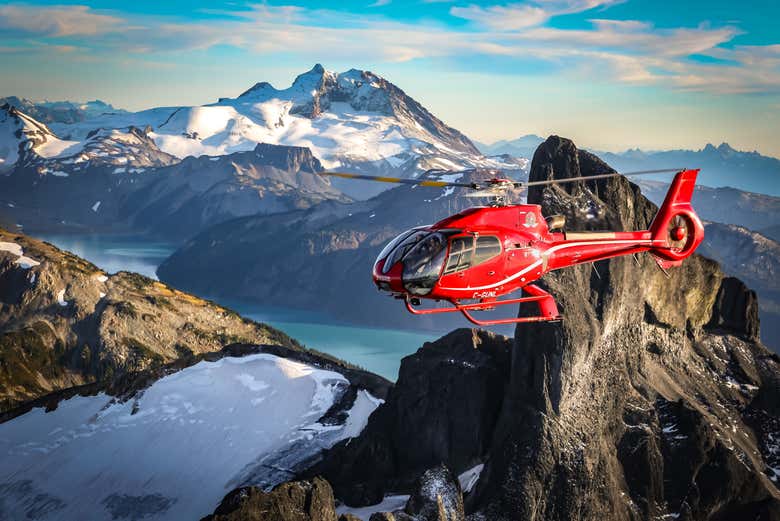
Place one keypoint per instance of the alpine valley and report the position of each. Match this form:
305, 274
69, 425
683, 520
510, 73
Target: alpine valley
128, 398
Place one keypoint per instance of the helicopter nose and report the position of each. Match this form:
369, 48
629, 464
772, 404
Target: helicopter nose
390, 281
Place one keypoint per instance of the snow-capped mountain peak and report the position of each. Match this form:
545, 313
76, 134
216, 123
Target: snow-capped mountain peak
26, 142
354, 119
22, 137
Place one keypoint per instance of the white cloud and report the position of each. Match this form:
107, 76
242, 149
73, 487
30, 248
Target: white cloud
628, 51
518, 16
635, 36
57, 20
503, 18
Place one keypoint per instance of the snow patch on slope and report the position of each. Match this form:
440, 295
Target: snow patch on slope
388, 504
22, 260
182, 444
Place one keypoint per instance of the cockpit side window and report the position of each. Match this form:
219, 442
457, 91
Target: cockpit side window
423, 264
488, 247
466, 252
461, 250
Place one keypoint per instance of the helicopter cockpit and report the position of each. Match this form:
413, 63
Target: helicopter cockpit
424, 255
421, 252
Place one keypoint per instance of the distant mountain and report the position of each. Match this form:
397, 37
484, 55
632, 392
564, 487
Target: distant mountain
180, 200
60, 111
524, 146
353, 120
757, 212
721, 166
755, 259
30, 145
23, 139
119, 180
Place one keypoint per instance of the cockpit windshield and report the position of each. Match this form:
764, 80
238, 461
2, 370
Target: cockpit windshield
423, 263
400, 246
392, 244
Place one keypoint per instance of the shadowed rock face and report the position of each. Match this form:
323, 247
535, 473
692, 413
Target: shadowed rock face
443, 409
437, 497
644, 401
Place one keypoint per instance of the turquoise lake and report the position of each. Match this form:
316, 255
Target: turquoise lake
377, 350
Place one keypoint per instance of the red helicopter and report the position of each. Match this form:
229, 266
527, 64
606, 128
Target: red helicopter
486, 252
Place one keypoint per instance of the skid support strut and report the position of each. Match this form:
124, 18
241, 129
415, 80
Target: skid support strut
548, 310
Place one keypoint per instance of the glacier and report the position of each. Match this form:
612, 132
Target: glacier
176, 448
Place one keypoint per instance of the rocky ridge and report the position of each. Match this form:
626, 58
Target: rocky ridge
60, 111
197, 193
153, 193
66, 323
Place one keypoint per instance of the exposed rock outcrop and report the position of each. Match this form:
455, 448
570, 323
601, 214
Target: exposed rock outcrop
443, 408
637, 405
292, 501
436, 497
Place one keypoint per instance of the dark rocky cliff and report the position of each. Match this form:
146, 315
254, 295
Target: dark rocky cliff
653, 399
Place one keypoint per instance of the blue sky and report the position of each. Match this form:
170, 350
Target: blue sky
610, 74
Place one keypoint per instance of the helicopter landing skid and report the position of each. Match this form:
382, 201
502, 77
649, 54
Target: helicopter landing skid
547, 308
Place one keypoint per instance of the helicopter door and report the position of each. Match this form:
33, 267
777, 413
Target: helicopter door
487, 265
459, 259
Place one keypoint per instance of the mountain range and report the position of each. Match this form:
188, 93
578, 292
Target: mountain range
107, 168
721, 166
353, 120
60, 111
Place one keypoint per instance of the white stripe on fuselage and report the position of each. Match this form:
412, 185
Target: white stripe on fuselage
552, 250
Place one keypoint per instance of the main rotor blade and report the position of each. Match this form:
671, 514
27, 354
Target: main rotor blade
602, 176
417, 182
483, 193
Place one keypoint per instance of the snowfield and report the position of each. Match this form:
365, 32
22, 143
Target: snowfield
178, 447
